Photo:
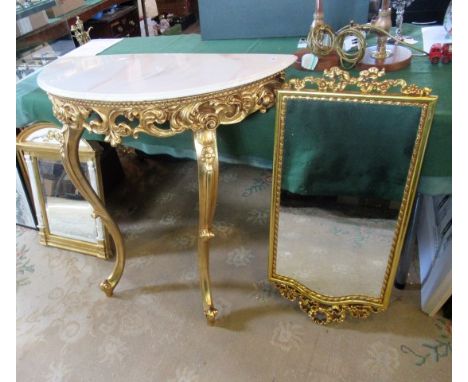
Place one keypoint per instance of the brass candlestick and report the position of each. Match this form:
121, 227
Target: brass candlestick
331, 48
320, 42
318, 14
318, 39
388, 57
384, 21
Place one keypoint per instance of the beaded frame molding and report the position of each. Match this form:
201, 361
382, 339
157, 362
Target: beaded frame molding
369, 87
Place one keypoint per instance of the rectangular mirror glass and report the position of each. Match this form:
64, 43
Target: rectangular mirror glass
345, 174
68, 214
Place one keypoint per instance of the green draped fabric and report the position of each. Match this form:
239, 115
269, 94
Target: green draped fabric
346, 149
251, 142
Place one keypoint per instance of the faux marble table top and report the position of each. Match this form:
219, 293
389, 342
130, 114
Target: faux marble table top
152, 77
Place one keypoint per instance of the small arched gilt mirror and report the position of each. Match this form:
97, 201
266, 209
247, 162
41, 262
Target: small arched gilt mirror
348, 154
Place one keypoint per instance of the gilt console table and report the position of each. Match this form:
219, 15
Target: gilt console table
160, 95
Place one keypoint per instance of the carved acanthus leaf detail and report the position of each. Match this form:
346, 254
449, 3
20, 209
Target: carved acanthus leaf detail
324, 314
69, 114
55, 135
117, 120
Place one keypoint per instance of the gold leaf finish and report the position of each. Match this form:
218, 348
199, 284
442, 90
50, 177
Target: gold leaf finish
116, 120
324, 314
333, 87
368, 82
55, 135
200, 114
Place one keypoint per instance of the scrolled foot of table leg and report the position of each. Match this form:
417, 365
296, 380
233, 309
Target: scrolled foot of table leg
107, 288
71, 161
210, 315
208, 168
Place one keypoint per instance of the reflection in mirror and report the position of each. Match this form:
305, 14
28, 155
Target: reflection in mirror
68, 214
333, 246
341, 210
345, 174
65, 219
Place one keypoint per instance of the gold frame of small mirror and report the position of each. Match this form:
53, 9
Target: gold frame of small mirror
368, 87
30, 153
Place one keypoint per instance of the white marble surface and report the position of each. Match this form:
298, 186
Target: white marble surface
151, 77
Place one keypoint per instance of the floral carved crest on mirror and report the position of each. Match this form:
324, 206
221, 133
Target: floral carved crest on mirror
338, 223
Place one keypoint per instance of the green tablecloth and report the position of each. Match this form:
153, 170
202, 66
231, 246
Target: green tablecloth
251, 142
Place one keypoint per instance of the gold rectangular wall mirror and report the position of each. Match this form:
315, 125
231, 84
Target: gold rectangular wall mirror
344, 182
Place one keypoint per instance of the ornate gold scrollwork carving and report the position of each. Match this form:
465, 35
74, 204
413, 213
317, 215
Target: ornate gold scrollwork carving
337, 85
55, 135
117, 120
368, 81
200, 114
324, 314
208, 154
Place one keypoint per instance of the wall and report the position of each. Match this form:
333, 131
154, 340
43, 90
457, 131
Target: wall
225, 19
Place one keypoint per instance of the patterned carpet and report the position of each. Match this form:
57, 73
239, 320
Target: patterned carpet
153, 329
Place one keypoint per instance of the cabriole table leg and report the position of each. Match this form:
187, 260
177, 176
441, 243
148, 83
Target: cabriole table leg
70, 155
207, 158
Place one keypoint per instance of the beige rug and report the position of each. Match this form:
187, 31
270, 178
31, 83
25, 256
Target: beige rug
154, 329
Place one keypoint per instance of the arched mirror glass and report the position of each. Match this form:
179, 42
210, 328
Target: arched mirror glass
65, 219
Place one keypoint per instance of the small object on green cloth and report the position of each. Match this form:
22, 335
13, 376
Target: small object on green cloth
309, 61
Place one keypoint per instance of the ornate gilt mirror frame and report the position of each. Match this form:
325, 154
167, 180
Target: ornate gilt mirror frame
32, 147
337, 85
